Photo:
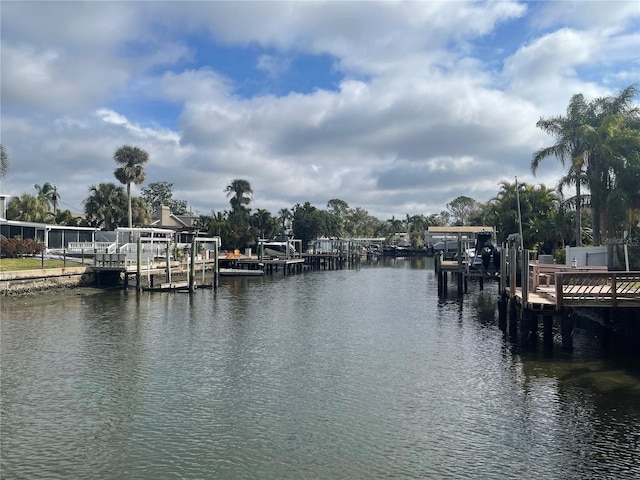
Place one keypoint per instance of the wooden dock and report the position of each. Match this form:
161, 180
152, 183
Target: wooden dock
551, 293
292, 265
531, 292
286, 266
462, 271
563, 286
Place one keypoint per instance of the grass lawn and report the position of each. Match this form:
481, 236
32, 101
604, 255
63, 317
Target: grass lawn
12, 264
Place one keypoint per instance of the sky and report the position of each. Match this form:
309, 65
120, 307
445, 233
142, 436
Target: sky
394, 107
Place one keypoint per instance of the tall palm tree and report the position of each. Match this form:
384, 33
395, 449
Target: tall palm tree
131, 169
570, 146
105, 205
240, 192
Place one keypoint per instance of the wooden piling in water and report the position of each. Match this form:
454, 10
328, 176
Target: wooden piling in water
192, 267
547, 329
566, 330
513, 317
138, 264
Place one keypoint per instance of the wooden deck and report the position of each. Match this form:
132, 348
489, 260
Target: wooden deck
563, 286
556, 287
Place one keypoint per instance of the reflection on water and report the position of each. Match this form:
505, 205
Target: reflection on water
355, 373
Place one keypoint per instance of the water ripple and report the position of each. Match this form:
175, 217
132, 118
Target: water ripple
354, 374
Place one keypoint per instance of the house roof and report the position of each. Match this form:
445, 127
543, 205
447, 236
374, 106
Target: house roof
48, 226
163, 218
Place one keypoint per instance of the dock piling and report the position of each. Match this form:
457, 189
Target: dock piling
566, 329
547, 329
192, 267
138, 265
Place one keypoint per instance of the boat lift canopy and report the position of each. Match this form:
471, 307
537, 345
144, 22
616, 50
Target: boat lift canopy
454, 230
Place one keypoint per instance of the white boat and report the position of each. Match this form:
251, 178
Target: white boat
279, 246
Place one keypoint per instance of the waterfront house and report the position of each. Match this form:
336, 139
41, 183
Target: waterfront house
54, 237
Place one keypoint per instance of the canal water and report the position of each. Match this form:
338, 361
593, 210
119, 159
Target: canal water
347, 374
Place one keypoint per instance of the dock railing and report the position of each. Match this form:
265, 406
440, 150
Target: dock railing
110, 260
543, 274
92, 247
604, 289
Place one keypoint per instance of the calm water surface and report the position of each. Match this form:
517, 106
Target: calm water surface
351, 374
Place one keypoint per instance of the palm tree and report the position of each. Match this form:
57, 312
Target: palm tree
264, 222
4, 161
240, 192
106, 205
140, 211
28, 208
570, 146
395, 225
218, 223
611, 132
49, 194
131, 170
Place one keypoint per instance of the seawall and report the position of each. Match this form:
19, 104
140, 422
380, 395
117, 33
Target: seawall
26, 281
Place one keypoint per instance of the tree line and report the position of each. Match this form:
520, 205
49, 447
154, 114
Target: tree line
597, 141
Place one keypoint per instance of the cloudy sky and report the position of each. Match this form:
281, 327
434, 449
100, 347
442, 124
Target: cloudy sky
394, 107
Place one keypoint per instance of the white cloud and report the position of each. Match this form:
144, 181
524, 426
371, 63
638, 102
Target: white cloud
273, 65
415, 119
137, 131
